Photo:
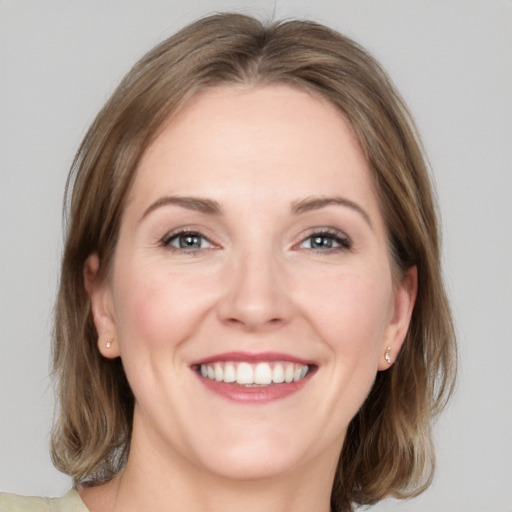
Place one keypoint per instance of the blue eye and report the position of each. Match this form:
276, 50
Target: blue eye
326, 241
187, 241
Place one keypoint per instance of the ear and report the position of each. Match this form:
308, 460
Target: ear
404, 299
100, 296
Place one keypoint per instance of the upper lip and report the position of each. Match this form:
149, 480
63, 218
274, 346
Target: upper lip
252, 357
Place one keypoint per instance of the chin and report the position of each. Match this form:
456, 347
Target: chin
260, 454
247, 466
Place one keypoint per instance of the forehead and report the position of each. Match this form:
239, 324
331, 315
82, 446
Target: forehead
270, 141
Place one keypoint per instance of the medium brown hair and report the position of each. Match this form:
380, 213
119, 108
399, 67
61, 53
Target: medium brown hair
388, 447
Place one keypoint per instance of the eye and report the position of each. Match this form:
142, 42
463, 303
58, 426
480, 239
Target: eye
326, 241
187, 241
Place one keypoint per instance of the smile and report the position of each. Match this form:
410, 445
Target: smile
254, 374
254, 378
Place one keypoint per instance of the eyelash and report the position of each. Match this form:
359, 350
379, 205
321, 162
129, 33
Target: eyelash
344, 243
169, 238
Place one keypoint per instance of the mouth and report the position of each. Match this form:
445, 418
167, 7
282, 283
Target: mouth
248, 374
255, 378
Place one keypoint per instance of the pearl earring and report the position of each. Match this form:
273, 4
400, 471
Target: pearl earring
387, 357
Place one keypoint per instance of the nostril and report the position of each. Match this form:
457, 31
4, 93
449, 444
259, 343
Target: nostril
233, 320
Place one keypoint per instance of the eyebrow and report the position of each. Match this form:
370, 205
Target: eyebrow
316, 203
211, 207
198, 204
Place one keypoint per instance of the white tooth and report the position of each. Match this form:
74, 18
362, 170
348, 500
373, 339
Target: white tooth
244, 374
297, 373
211, 372
278, 373
262, 374
219, 372
303, 371
204, 371
288, 373
229, 372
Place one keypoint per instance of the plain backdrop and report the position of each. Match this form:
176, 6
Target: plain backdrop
452, 61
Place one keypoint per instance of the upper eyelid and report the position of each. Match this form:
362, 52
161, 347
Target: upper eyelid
186, 231
215, 241
345, 240
327, 231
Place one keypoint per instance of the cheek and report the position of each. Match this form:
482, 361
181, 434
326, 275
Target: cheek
349, 314
351, 311
158, 308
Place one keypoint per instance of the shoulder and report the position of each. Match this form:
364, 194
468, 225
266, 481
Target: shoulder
15, 503
70, 502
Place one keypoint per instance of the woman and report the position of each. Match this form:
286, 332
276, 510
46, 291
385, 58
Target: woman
251, 314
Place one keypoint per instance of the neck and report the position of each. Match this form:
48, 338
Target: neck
160, 483
211, 494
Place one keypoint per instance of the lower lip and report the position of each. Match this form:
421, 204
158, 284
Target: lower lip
254, 394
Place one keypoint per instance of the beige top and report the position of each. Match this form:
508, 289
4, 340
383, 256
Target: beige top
70, 502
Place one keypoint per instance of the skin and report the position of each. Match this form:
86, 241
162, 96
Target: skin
258, 283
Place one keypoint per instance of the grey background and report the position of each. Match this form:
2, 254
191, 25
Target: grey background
452, 60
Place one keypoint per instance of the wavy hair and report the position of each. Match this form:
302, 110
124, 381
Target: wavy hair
388, 448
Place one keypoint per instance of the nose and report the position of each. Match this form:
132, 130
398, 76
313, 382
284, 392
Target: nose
256, 294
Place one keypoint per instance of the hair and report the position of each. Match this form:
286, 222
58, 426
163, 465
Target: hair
388, 447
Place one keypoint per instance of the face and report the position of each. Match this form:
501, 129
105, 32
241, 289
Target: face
251, 297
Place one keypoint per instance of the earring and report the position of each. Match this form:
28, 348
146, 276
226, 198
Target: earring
109, 343
387, 357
